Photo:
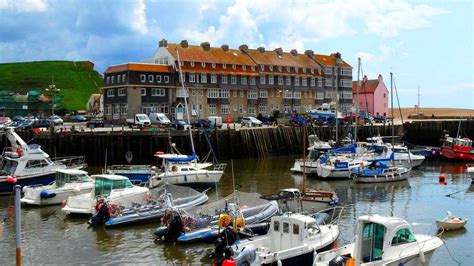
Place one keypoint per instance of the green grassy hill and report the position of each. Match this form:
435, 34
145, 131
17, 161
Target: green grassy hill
76, 81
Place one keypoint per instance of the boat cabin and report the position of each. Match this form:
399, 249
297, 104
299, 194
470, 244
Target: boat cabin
377, 235
458, 144
289, 231
18, 161
289, 199
104, 184
64, 176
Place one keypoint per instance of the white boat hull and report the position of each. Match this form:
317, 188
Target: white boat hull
311, 167
32, 194
442, 224
383, 178
192, 179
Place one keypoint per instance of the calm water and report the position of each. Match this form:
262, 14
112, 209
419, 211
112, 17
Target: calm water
49, 237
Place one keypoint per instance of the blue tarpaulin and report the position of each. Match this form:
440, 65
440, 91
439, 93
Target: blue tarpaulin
351, 148
187, 159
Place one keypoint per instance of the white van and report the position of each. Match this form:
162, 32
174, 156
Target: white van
159, 119
215, 121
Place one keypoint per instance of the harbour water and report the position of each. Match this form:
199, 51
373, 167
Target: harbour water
49, 237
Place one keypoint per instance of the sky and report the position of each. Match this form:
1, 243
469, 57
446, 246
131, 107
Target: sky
426, 44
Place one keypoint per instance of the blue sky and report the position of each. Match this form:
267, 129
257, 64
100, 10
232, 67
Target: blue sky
424, 43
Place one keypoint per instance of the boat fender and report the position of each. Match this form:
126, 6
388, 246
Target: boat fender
76, 189
248, 255
228, 262
224, 220
18, 151
47, 195
422, 257
146, 197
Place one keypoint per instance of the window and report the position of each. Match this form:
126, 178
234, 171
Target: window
252, 94
403, 236
253, 68
151, 78
203, 78
244, 67
270, 79
347, 71
252, 80
181, 93
346, 83
262, 67
113, 79
213, 65
108, 109
212, 109
213, 93
373, 234
108, 80
306, 95
271, 68
279, 68
288, 94
121, 92
313, 82
297, 81
143, 91
328, 82
164, 108
192, 63
192, 77
262, 108
158, 78
110, 93
224, 79
234, 93
304, 70
296, 69
286, 228
224, 109
167, 79
157, 92
235, 108
297, 95
118, 78
263, 94
328, 71
288, 69
117, 109
224, 66
296, 229
233, 79
225, 93
384, 95
304, 82
36, 163
242, 93
276, 226
312, 70
241, 109
203, 64
262, 79
213, 78
234, 66
243, 80
124, 108
280, 80
296, 108
251, 109
288, 80
320, 82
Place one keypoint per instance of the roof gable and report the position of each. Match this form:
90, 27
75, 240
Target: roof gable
368, 86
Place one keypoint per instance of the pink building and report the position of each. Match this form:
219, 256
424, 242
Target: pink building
373, 96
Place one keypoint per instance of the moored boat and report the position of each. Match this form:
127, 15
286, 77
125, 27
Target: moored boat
450, 223
459, 149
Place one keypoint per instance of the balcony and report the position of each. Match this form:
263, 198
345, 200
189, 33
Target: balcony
252, 101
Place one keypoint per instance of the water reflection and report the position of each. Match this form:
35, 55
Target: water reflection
107, 240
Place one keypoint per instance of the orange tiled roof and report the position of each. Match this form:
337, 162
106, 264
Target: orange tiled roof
286, 59
368, 86
329, 60
195, 53
139, 67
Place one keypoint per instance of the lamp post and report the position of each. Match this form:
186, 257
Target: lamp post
52, 90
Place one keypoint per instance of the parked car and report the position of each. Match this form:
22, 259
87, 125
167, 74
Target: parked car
56, 120
78, 118
250, 121
18, 118
215, 121
42, 123
27, 124
180, 124
95, 122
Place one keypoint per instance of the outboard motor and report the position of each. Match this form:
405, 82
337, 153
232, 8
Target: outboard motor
337, 261
101, 216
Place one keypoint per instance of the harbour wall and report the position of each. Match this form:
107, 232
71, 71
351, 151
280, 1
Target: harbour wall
138, 147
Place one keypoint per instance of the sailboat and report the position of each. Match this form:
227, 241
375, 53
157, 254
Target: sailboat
184, 170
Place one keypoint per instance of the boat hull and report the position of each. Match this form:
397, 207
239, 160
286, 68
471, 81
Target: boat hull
61, 195
197, 180
382, 178
41, 179
457, 155
450, 226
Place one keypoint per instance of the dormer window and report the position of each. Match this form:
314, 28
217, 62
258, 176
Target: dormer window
262, 67
203, 64
271, 68
244, 67
192, 63
253, 68
224, 66
234, 66
279, 68
213, 65
312, 70
288, 69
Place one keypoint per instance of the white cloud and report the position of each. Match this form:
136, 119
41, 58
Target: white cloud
365, 56
138, 18
24, 5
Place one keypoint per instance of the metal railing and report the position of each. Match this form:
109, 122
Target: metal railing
70, 161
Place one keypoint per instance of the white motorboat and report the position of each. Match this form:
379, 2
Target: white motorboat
113, 188
450, 223
292, 239
338, 167
178, 169
67, 182
316, 148
27, 165
383, 241
404, 157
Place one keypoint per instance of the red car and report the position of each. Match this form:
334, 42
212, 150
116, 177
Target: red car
4, 120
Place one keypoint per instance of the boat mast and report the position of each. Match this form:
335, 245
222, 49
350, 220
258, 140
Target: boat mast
186, 103
337, 100
303, 189
391, 106
357, 100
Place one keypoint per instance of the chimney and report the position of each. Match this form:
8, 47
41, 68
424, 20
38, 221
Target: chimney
294, 52
225, 47
279, 51
244, 48
163, 43
380, 78
309, 53
261, 49
206, 46
338, 57
184, 43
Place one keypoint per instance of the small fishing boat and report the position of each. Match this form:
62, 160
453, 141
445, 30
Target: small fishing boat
382, 241
67, 182
293, 239
459, 149
312, 201
168, 197
107, 188
450, 223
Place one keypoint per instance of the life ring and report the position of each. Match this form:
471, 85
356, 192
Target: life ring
146, 197
114, 210
238, 224
18, 151
224, 220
